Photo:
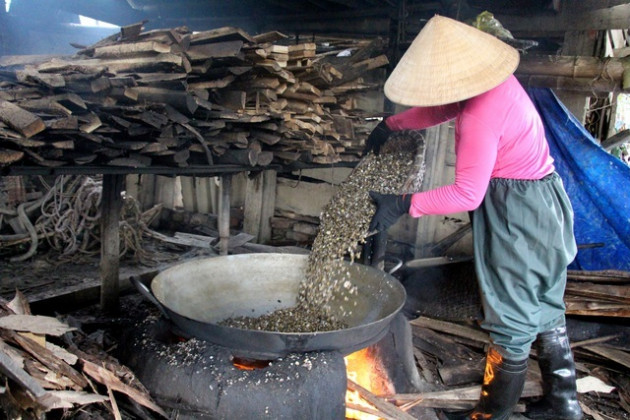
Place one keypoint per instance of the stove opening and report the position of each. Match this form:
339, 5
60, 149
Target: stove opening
243, 363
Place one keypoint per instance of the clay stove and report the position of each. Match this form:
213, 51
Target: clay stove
195, 379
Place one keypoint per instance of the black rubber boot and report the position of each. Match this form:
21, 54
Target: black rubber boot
503, 383
558, 375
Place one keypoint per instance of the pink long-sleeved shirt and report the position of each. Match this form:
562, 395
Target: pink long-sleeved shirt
498, 134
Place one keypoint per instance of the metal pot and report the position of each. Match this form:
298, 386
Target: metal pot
198, 294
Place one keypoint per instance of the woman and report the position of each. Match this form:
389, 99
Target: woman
521, 216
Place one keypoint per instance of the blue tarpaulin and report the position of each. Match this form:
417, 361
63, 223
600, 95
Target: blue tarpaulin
597, 183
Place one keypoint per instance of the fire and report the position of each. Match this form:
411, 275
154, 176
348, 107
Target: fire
366, 369
249, 364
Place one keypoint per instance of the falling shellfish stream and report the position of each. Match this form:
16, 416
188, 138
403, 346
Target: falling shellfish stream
343, 229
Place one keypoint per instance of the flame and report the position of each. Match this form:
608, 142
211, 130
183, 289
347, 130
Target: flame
249, 364
366, 369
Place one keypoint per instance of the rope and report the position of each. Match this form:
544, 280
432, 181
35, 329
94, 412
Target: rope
70, 216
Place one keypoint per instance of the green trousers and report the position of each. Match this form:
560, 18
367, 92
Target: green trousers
523, 241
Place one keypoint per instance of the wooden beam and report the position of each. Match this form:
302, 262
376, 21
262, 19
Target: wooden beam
573, 66
586, 87
616, 140
570, 19
593, 4
591, 75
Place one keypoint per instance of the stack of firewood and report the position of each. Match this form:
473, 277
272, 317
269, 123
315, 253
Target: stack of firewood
174, 97
292, 228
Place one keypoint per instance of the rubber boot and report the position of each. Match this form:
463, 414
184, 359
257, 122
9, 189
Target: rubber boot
558, 375
503, 383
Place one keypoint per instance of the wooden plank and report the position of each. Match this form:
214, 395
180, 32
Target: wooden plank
217, 50
220, 34
451, 328
21, 120
130, 49
385, 407
615, 355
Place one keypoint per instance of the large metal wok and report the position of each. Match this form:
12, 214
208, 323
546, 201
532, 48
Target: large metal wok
198, 294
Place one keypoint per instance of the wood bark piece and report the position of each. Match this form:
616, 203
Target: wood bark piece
37, 324
8, 156
109, 379
10, 369
24, 122
46, 357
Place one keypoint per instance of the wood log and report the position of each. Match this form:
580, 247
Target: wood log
247, 157
180, 100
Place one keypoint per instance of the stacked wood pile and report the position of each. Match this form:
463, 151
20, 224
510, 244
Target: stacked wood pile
173, 97
603, 293
292, 228
55, 367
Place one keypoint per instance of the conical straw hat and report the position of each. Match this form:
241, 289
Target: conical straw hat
449, 61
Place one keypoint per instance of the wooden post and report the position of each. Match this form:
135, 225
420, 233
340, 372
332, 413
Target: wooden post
253, 205
436, 141
188, 193
268, 206
111, 205
146, 191
260, 205
224, 213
